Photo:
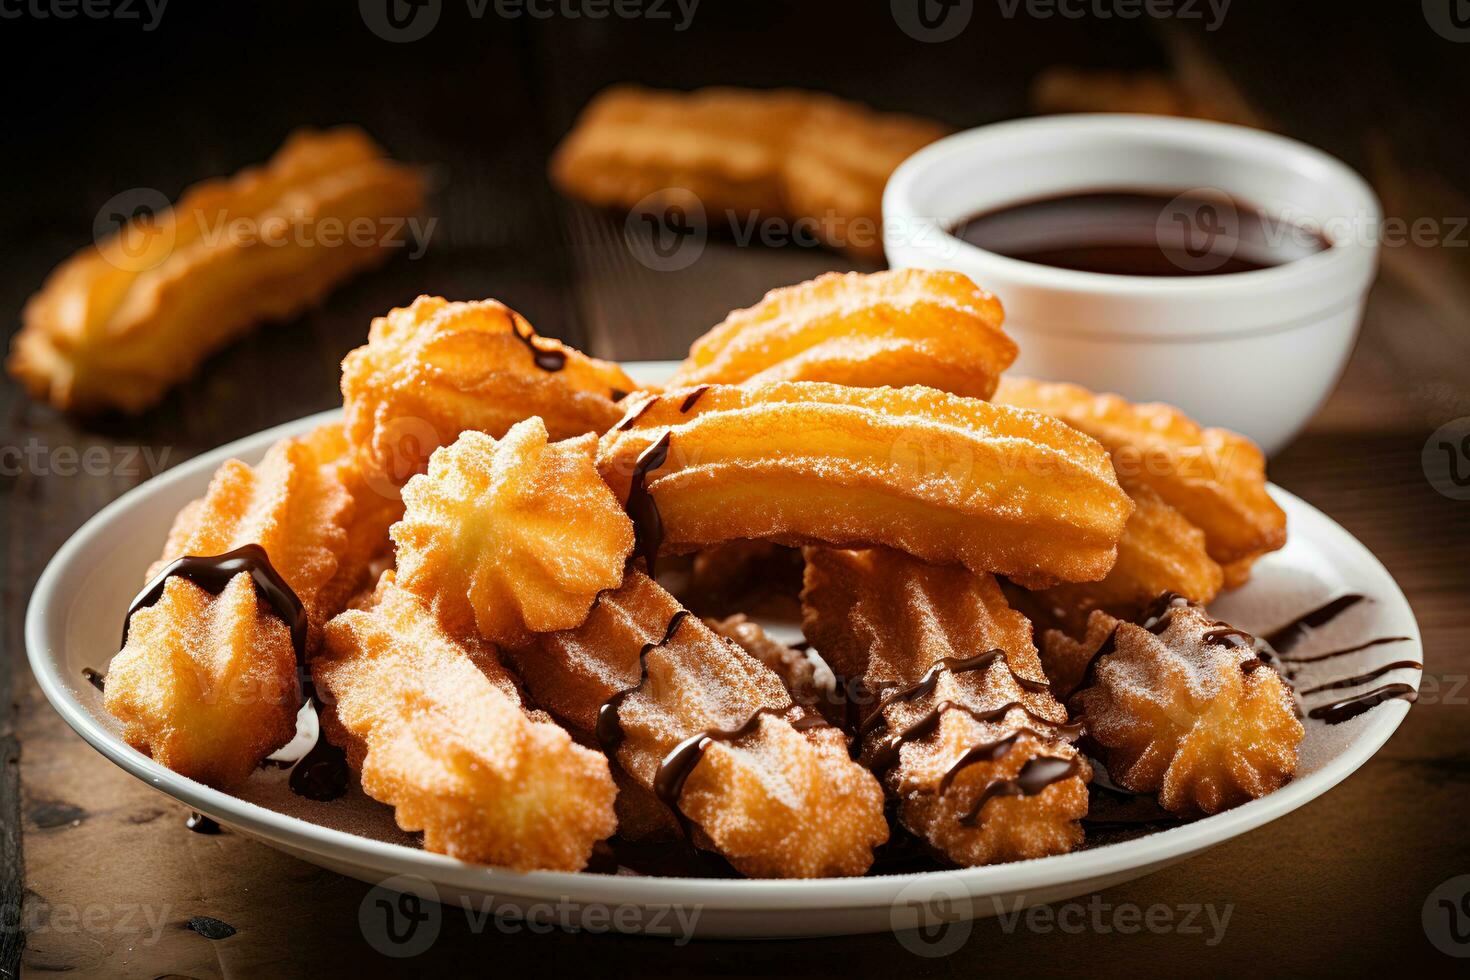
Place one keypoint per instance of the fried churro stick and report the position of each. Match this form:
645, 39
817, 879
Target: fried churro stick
205, 683
435, 728
909, 327
695, 719
1215, 478
511, 537
944, 478
951, 706
839, 161
732, 154
435, 369
808, 686
722, 147
1160, 551
1181, 705
118, 324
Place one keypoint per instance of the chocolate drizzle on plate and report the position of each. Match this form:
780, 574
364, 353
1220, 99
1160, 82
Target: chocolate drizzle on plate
322, 774
1316, 658
648, 525
1287, 637
1340, 711
547, 360
1364, 678
609, 730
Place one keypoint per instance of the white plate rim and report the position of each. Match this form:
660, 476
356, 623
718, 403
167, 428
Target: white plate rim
831, 894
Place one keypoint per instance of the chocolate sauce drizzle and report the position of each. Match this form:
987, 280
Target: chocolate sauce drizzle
1364, 678
1343, 652
648, 525
691, 399
631, 419
1286, 637
97, 680
887, 752
546, 360
679, 764
609, 729
322, 774
213, 572
1036, 775
1340, 711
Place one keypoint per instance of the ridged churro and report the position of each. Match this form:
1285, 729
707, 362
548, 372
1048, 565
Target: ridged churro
1215, 478
944, 478
1181, 704
511, 536
435, 728
949, 704
693, 718
909, 327
435, 369
119, 323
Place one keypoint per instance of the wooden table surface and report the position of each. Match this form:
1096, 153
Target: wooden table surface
104, 867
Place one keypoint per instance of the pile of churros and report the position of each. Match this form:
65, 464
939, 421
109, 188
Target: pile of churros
496, 581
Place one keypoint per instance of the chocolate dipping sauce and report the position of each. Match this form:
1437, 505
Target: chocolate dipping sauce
1141, 233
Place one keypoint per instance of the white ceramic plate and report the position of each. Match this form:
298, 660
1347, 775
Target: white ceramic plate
76, 613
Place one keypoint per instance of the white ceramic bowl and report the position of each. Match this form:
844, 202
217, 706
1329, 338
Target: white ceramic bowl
1256, 351
74, 618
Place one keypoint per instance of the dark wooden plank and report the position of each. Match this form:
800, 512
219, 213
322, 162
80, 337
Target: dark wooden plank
483, 102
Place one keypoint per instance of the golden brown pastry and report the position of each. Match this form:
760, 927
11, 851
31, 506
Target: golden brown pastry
435, 728
735, 154
1182, 706
696, 720
910, 327
1215, 478
838, 163
1159, 552
950, 706
1062, 89
808, 685
435, 369
944, 478
511, 536
207, 683
118, 324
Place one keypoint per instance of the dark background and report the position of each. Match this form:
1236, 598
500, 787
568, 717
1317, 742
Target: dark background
92, 107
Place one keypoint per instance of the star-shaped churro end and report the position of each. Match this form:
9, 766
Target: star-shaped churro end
1182, 706
206, 684
434, 369
511, 536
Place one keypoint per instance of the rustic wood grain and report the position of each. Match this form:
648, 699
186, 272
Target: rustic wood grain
1339, 883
